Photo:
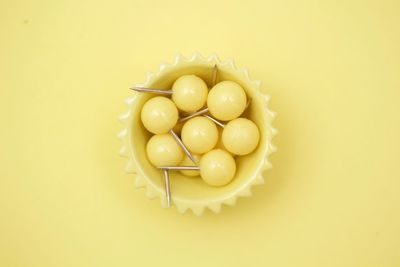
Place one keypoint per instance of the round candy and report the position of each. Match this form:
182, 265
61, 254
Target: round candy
188, 162
240, 136
159, 115
199, 135
226, 100
162, 150
217, 167
189, 93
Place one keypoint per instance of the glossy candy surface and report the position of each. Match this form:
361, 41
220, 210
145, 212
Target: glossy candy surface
159, 115
240, 136
163, 150
217, 167
226, 101
199, 135
189, 93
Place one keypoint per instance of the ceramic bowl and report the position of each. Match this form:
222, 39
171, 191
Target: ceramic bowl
189, 193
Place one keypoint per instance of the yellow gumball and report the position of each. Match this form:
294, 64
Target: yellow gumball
162, 150
240, 136
159, 115
226, 101
188, 162
217, 167
189, 93
199, 135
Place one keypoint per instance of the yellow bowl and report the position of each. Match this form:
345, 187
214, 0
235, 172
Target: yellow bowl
191, 193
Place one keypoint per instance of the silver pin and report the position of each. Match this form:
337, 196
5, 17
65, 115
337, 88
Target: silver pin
214, 76
166, 170
167, 190
180, 168
180, 143
197, 113
152, 90
220, 124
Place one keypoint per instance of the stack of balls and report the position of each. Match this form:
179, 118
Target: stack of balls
213, 150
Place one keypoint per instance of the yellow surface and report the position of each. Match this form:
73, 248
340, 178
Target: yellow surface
331, 67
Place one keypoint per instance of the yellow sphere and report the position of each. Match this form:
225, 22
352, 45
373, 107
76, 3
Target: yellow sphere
163, 150
159, 115
240, 136
217, 167
189, 93
188, 162
199, 135
226, 100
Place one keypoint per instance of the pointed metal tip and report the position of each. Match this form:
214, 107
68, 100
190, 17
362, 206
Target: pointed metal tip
151, 90
179, 168
220, 124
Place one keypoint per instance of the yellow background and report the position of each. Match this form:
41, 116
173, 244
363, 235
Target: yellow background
331, 67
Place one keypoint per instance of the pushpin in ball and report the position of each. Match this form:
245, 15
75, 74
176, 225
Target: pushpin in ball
199, 135
217, 167
159, 115
226, 101
240, 136
189, 93
163, 150
188, 162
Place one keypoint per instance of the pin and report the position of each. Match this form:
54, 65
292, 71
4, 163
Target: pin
180, 168
180, 143
152, 90
220, 124
214, 76
167, 190
166, 170
197, 113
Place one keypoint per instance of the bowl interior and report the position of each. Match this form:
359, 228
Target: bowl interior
194, 189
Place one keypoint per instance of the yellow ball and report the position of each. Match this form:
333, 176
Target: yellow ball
189, 93
226, 100
188, 162
240, 136
163, 150
217, 167
159, 115
199, 135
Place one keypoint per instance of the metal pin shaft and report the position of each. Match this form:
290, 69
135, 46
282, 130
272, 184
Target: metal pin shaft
180, 143
152, 90
167, 190
214, 76
180, 168
220, 124
197, 113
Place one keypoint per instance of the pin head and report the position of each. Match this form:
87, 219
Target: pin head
199, 135
189, 93
162, 150
217, 167
240, 136
159, 115
226, 101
